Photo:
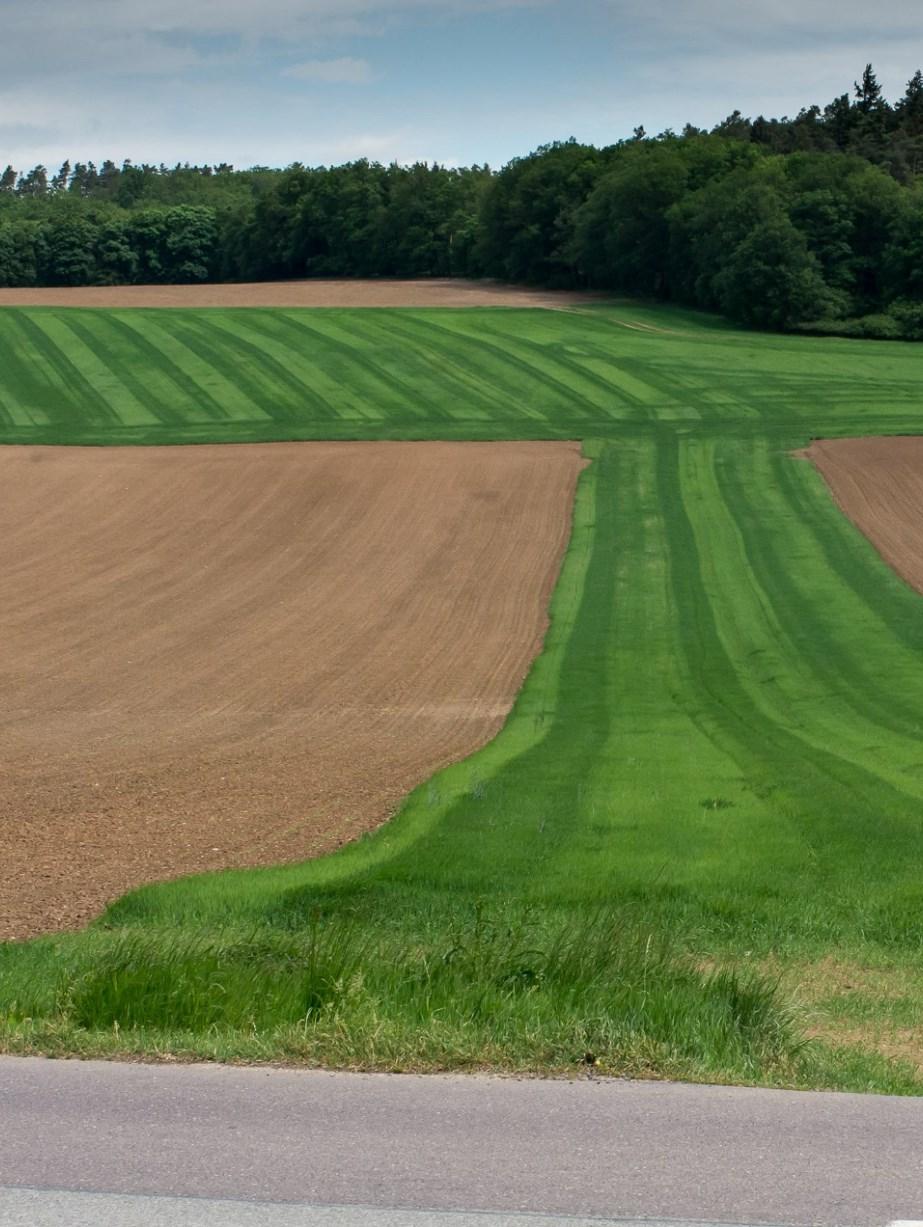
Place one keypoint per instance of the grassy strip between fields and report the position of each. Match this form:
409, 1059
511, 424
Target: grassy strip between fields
693, 851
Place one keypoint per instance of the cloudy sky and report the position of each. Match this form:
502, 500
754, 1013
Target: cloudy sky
270, 82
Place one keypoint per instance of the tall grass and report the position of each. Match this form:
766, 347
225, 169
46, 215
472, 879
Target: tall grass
494, 987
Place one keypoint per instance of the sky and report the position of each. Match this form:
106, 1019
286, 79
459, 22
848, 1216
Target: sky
271, 82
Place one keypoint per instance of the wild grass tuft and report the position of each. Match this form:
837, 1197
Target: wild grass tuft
577, 993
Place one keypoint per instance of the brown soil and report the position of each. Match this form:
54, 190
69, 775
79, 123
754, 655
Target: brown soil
878, 483
314, 293
237, 655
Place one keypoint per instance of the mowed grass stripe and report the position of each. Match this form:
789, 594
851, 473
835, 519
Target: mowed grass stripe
408, 387
496, 374
824, 624
571, 366
560, 358
574, 341
338, 384
289, 379
444, 372
850, 555
340, 364
830, 797
87, 346
56, 379
631, 817
513, 394
777, 615
648, 809
185, 389
28, 390
539, 374
16, 416
666, 397
132, 397
249, 394
664, 371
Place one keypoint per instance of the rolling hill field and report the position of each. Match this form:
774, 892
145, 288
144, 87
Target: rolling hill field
234, 656
695, 847
252, 375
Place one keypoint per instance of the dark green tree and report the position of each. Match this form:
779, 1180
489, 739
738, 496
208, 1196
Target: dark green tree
869, 94
529, 213
66, 253
17, 253
34, 184
902, 258
840, 121
117, 262
771, 280
622, 233
190, 244
60, 181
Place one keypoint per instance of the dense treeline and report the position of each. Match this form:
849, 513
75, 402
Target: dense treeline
814, 222
150, 224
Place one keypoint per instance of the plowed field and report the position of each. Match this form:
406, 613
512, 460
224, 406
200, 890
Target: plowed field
312, 293
878, 483
228, 656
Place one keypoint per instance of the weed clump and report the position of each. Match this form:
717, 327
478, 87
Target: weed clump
501, 987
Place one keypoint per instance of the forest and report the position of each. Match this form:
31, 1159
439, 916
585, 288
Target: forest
813, 223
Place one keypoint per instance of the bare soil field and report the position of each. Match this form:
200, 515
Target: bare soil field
447, 292
221, 656
878, 482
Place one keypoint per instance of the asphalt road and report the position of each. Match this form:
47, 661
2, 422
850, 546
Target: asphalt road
201, 1146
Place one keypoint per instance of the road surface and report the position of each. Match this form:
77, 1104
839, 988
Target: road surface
208, 1146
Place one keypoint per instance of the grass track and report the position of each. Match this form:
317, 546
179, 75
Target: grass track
719, 747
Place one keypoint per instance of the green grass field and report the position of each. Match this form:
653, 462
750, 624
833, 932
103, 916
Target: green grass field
696, 847
160, 376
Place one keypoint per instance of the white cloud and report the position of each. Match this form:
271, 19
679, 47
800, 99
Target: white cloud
398, 145
834, 19
344, 71
50, 40
696, 60
213, 80
268, 18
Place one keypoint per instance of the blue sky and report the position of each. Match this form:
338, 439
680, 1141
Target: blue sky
457, 81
